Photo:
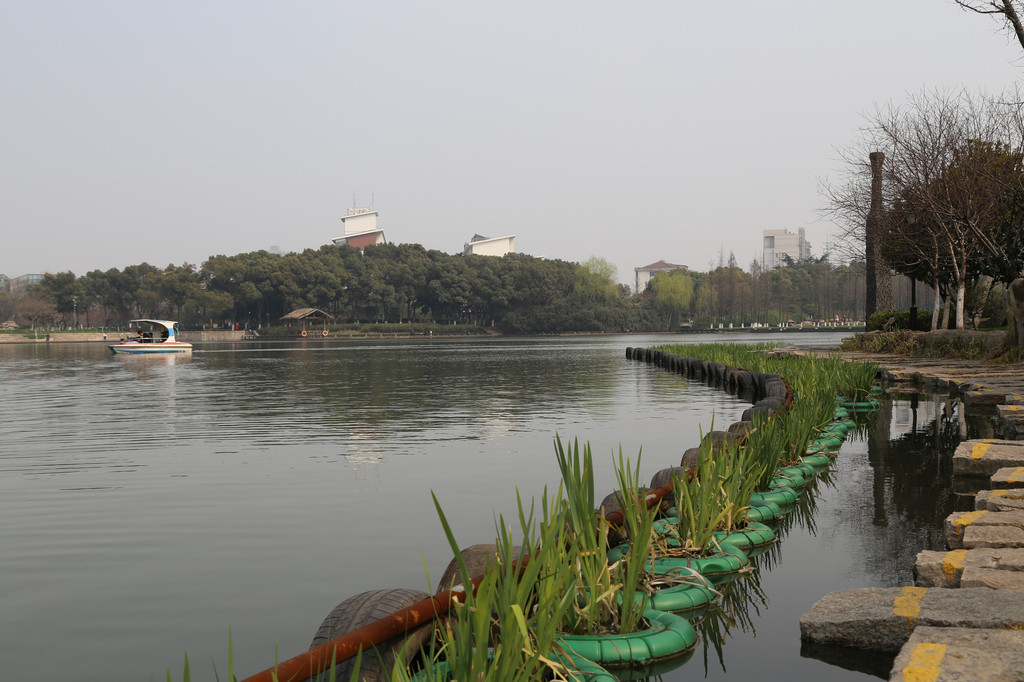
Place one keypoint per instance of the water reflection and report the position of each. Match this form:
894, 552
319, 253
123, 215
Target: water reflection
739, 608
860, 524
909, 453
209, 489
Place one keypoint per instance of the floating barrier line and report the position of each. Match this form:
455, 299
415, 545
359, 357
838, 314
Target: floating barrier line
311, 663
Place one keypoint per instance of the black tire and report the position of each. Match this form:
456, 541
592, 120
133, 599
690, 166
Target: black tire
363, 609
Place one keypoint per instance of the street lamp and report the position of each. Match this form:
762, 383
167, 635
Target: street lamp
74, 302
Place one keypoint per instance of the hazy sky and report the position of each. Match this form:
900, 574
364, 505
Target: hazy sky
167, 132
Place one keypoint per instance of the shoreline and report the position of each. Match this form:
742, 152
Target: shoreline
963, 602
231, 336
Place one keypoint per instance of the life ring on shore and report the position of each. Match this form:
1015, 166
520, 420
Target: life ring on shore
303, 332
323, 333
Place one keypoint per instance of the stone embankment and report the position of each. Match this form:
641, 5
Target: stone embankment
964, 617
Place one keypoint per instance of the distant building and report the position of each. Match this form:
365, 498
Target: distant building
490, 246
781, 243
647, 273
17, 285
360, 229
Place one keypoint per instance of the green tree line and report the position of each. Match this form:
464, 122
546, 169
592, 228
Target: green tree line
399, 283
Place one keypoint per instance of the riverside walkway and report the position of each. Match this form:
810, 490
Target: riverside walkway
963, 619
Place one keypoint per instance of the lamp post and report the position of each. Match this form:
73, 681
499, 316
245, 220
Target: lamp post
74, 302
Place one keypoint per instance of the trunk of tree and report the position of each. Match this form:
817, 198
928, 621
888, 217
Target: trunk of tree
1015, 297
936, 305
945, 313
961, 294
871, 230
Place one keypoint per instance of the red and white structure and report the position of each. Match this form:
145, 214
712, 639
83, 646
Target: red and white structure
361, 229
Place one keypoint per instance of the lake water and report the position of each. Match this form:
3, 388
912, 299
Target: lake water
147, 505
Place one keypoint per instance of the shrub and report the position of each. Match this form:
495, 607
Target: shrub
877, 320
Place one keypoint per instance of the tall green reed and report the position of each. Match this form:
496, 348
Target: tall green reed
504, 630
638, 521
596, 591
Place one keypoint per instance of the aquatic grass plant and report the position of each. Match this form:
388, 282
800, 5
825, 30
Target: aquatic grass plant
702, 505
717, 496
815, 379
720, 490
610, 597
504, 629
806, 373
588, 541
638, 521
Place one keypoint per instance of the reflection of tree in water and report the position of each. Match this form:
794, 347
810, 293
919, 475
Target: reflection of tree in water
898, 502
885, 498
801, 513
730, 611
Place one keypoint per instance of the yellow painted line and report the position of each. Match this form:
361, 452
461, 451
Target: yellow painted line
1000, 493
967, 519
1016, 476
1012, 408
979, 449
908, 604
952, 564
925, 662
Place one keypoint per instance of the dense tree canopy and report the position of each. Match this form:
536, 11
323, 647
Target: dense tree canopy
398, 283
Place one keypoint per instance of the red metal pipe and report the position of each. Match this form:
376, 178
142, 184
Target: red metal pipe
316, 660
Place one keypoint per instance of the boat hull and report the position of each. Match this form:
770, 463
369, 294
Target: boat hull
151, 348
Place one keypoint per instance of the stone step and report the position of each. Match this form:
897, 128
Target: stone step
882, 618
1011, 418
998, 568
984, 395
969, 530
957, 654
1008, 499
1008, 478
986, 457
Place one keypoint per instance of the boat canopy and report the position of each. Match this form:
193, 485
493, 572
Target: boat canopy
169, 325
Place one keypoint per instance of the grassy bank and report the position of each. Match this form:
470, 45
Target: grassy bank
984, 346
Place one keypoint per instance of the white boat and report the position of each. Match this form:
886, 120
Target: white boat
151, 336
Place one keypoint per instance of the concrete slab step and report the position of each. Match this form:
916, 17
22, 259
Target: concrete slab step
960, 654
970, 568
883, 618
981, 528
1008, 499
1011, 419
983, 458
993, 536
984, 395
1008, 478
992, 578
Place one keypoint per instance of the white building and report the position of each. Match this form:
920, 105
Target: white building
647, 273
781, 243
490, 246
360, 229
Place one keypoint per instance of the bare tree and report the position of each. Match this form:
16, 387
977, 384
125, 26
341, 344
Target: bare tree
1003, 10
935, 172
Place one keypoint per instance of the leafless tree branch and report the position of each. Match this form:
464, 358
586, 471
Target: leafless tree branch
1005, 8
